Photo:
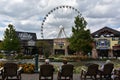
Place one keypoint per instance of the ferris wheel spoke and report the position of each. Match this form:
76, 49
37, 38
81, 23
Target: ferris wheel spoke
58, 13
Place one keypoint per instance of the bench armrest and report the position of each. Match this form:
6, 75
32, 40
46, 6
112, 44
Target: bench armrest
1, 68
19, 69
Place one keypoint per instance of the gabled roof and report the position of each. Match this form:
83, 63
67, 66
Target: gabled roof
106, 31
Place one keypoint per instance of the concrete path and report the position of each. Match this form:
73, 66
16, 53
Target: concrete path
36, 76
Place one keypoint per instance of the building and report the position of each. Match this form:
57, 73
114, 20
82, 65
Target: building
60, 46
28, 42
107, 42
44, 44
56, 46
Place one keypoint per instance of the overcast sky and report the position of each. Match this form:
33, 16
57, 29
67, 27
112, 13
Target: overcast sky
28, 15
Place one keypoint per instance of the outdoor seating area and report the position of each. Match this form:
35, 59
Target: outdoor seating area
116, 74
95, 73
10, 70
107, 71
92, 71
66, 73
46, 70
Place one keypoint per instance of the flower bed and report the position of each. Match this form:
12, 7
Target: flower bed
28, 67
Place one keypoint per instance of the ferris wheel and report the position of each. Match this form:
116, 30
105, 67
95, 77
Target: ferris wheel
61, 15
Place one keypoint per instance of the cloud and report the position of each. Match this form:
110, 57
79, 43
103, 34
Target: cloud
28, 15
43, 3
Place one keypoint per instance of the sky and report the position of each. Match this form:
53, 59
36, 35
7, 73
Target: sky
28, 15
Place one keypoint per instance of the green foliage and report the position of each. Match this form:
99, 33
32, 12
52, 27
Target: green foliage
46, 48
46, 54
10, 41
71, 58
1, 55
77, 69
21, 56
81, 39
0, 45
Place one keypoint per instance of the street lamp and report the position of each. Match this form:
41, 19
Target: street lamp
32, 44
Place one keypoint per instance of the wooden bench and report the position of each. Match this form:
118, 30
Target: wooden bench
116, 74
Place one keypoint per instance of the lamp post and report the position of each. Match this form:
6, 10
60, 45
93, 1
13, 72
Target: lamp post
32, 44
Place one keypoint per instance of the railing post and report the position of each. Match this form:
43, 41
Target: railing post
36, 62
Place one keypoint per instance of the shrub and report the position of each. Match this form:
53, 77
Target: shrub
26, 67
21, 56
28, 57
75, 57
1, 55
77, 69
1, 64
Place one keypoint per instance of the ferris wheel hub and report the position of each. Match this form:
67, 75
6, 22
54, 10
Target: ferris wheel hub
61, 27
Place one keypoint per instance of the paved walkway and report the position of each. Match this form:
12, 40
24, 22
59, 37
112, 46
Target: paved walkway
36, 77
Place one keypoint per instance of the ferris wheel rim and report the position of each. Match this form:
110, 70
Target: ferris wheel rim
54, 9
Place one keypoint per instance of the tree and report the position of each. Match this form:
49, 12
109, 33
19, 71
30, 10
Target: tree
81, 39
10, 40
46, 48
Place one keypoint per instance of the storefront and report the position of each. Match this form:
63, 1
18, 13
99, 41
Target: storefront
116, 50
28, 42
106, 40
60, 46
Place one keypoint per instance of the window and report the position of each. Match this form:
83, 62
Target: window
103, 44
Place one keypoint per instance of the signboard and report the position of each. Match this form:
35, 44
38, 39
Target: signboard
31, 43
26, 36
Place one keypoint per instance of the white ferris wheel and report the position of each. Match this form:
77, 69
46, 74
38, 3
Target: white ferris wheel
58, 22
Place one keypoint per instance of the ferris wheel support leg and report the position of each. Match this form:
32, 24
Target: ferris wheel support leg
66, 52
